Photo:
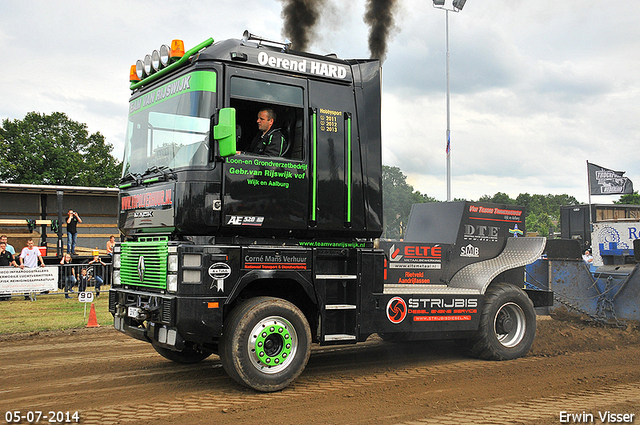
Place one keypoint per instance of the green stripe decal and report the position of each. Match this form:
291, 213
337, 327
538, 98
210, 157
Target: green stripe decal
314, 179
349, 171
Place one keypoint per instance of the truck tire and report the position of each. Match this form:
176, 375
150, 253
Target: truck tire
265, 343
507, 324
187, 356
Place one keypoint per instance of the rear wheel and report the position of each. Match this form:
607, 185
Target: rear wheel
187, 356
265, 344
507, 325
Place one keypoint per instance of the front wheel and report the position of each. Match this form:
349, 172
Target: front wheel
507, 325
265, 344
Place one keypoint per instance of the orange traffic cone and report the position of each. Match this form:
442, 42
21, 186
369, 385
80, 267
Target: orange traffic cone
93, 320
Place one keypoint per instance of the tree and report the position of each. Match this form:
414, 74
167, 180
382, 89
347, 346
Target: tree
398, 196
629, 199
498, 198
53, 149
543, 211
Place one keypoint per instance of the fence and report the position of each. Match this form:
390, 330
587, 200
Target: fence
95, 272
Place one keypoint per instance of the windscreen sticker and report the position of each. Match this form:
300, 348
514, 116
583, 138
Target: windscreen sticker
196, 81
155, 199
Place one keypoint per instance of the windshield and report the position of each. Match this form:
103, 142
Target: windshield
169, 126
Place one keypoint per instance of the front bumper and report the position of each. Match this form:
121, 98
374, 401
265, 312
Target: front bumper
171, 321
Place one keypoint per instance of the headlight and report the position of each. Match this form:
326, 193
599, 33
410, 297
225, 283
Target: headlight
116, 261
172, 283
147, 65
164, 55
140, 69
116, 278
172, 263
155, 60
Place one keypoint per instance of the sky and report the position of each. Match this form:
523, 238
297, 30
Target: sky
537, 88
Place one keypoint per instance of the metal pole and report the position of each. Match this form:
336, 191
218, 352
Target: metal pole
448, 114
59, 247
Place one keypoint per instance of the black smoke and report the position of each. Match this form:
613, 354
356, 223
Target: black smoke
300, 18
379, 17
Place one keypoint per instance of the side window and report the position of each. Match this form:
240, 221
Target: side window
250, 96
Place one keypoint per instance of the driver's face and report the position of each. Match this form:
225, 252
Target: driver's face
264, 123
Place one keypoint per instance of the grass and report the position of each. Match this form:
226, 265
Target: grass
51, 312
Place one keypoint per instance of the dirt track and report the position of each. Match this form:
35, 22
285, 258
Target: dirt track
110, 378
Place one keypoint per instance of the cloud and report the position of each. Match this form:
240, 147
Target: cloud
537, 88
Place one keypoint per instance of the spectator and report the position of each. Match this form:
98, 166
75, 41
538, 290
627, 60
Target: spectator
82, 280
6, 258
30, 255
587, 257
110, 243
97, 272
72, 231
10, 248
69, 274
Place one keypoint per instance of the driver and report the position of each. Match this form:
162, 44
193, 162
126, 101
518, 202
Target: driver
269, 141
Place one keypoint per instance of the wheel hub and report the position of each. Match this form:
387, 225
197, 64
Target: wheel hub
510, 324
272, 344
505, 324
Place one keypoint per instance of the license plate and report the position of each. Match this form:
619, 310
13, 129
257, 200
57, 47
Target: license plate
133, 312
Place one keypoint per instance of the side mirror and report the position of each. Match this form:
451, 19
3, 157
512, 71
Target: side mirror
225, 132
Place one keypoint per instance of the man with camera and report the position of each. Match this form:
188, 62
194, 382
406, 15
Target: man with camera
72, 231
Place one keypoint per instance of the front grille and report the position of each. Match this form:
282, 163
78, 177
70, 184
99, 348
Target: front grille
154, 254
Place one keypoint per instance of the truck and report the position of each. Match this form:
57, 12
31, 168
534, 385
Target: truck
254, 258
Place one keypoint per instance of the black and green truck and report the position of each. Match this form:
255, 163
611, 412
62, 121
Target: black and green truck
254, 258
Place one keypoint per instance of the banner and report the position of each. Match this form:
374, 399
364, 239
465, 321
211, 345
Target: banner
603, 181
16, 280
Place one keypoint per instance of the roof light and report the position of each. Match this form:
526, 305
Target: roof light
155, 60
133, 75
177, 49
164, 55
160, 61
140, 69
147, 64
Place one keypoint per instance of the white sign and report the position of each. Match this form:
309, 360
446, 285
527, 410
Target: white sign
85, 297
610, 235
15, 280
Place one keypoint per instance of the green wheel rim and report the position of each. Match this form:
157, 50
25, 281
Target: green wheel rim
272, 344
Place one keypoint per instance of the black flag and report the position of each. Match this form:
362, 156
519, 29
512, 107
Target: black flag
603, 181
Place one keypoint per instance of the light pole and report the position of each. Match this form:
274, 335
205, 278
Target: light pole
457, 6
